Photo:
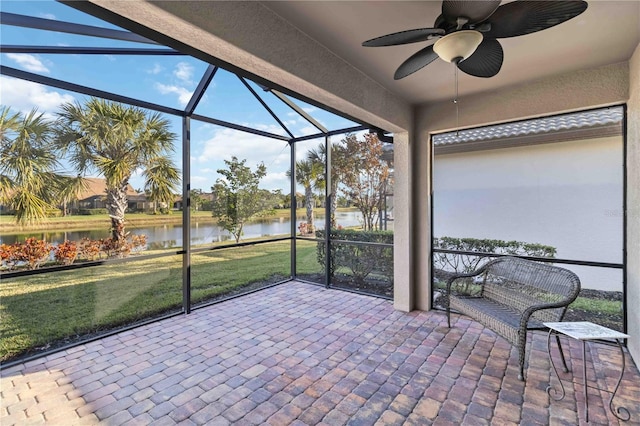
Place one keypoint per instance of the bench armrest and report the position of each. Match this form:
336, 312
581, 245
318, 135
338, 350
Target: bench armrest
524, 320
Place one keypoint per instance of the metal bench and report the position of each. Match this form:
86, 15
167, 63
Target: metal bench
510, 296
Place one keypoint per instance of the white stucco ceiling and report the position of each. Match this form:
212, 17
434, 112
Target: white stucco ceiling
606, 33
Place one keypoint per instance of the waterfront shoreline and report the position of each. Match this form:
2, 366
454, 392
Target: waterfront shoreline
94, 223
133, 220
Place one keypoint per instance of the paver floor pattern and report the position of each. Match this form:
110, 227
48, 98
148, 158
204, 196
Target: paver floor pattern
301, 354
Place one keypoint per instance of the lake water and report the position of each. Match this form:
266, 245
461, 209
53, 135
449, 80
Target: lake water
170, 235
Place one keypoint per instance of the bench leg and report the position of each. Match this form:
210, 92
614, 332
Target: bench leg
521, 353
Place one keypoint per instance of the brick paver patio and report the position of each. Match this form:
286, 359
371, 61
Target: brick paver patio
299, 354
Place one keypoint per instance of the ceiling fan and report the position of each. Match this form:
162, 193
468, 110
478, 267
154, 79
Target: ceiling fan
467, 32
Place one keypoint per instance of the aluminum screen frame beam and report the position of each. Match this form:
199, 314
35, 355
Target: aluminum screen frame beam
24, 21
264, 104
238, 127
331, 133
72, 50
284, 98
208, 75
72, 87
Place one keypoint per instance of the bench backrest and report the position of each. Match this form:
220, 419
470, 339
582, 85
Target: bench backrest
522, 283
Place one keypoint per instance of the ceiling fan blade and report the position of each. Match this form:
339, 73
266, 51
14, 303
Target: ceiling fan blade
526, 17
417, 61
486, 61
403, 37
474, 11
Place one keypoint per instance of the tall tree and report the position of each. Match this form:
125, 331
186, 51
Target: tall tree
310, 175
237, 195
196, 199
30, 183
161, 183
366, 181
116, 140
339, 166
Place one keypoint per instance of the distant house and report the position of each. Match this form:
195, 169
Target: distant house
94, 196
206, 197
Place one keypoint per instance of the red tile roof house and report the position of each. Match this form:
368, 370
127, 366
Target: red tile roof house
93, 196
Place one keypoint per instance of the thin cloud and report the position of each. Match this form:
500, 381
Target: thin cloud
183, 72
24, 96
48, 16
226, 143
157, 69
308, 130
28, 62
278, 180
184, 95
201, 182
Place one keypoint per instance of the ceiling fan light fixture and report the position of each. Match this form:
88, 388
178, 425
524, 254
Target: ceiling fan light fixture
458, 45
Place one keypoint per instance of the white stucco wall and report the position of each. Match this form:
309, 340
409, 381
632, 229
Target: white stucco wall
567, 195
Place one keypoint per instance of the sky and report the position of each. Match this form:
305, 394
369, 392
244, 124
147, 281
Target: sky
164, 80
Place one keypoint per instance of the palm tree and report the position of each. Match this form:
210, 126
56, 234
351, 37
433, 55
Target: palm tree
115, 140
29, 182
338, 164
161, 182
310, 176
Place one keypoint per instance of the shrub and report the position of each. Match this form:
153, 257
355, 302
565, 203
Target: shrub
360, 259
92, 212
303, 228
467, 263
9, 254
116, 248
89, 249
34, 252
139, 242
66, 252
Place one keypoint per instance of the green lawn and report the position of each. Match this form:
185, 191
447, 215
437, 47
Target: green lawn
48, 309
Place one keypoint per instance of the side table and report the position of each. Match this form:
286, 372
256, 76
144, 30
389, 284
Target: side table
587, 331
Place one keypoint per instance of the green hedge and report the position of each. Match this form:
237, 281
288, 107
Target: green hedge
467, 263
361, 260
92, 212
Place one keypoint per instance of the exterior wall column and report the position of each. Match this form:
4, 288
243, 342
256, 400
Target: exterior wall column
422, 219
403, 239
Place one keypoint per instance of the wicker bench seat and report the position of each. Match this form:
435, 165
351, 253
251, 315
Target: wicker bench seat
510, 296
